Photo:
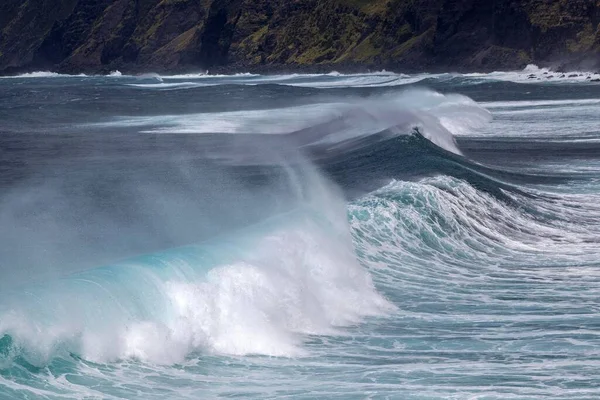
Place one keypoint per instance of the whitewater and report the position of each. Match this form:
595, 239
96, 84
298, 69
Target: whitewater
310, 236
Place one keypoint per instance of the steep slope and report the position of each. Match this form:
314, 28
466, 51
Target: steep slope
167, 35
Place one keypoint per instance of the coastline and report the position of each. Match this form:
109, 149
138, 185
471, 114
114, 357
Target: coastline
281, 69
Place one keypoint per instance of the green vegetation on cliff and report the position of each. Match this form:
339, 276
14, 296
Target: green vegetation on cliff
162, 35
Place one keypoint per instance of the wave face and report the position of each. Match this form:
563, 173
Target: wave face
310, 236
257, 294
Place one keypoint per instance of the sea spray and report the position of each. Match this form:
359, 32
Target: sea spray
257, 291
332, 121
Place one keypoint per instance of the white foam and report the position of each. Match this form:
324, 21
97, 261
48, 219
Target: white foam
331, 80
50, 74
540, 103
574, 120
441, 230
472, 223
162, 85
295, 282
534, 74
260, 307
206, 75
334, 79
44, 74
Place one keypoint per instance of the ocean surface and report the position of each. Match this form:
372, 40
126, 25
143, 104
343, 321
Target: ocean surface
364, 236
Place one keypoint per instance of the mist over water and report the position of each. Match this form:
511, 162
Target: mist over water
312, 236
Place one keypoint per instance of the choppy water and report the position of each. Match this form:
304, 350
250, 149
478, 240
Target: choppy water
305, 236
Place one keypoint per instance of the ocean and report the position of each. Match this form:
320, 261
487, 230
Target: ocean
322, 236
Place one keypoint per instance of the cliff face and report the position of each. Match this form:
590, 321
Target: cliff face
168, 35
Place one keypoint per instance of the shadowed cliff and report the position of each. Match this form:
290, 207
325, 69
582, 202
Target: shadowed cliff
173, 35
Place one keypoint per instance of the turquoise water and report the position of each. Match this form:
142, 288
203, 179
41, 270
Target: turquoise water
403, 243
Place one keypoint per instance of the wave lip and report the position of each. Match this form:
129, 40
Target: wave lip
437, 117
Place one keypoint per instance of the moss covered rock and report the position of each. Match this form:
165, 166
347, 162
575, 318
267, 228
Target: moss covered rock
169, 35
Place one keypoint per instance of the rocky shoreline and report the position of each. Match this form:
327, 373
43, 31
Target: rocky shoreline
302, 36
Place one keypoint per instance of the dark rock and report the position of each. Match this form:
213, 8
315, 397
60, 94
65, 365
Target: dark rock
226, 35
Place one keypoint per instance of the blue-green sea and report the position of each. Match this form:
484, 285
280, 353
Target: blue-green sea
326, 236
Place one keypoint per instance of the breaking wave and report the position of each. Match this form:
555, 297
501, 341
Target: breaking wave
260, 290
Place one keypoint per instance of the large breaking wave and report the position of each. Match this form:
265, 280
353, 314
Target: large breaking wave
257, 288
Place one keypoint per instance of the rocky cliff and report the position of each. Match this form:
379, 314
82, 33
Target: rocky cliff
174, 35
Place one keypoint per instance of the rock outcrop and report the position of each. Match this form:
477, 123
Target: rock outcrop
174, 35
